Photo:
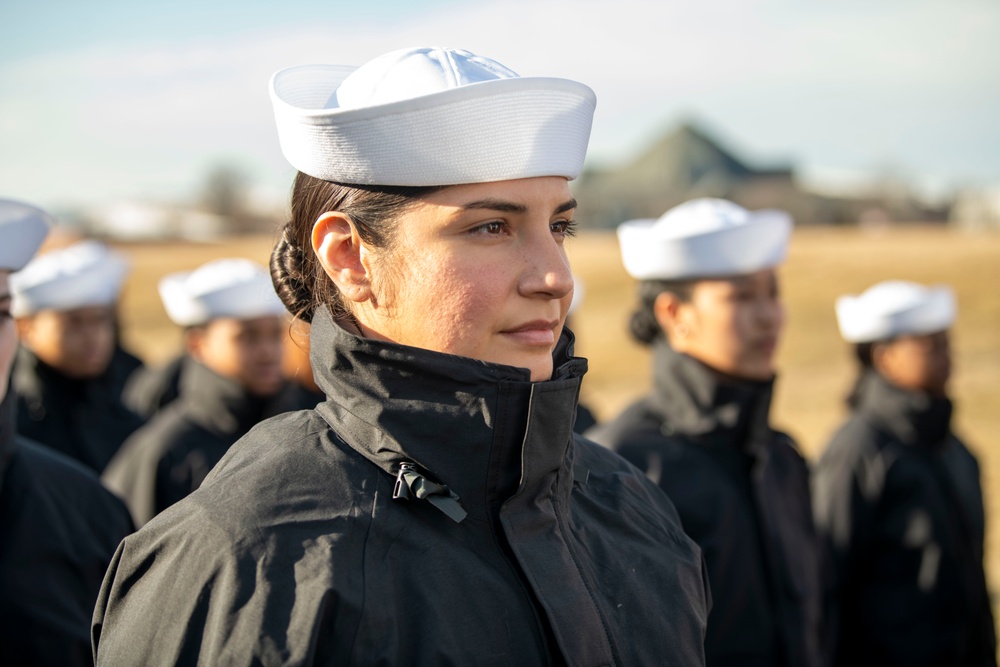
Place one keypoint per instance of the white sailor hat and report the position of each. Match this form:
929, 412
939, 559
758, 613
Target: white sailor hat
895, 308
84, 274
236, 288
430, 116
23, 227
704, 238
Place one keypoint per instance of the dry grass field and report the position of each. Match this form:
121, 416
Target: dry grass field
816, 367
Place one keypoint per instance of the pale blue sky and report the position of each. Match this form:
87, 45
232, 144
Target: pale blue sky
110, 98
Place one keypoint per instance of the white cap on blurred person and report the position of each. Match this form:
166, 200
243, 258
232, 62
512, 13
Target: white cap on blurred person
430, 116
236, 288
23, 228
84, 274
895, 308
704, 238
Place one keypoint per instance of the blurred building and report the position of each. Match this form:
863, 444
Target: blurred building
688, 162
977, 209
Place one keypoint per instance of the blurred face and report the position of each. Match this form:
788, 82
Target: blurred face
732, 325
8, 334
78, 343
476, 270
247, 351
916, 363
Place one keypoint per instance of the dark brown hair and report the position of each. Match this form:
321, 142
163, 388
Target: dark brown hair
643, 324
865, 355
298, 276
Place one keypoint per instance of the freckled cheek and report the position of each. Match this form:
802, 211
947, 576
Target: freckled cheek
454, 309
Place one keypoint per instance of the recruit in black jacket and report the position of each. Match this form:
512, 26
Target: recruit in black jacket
742, 492
898, 499
83, 419
505, 539
169, 457
58, 531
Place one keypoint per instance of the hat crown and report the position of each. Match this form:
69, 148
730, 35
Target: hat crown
221, 273
700, 216
409, 73
894, 296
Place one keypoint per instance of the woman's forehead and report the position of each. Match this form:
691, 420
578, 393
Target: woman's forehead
512, 196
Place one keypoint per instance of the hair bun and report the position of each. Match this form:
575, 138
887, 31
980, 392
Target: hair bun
287, 264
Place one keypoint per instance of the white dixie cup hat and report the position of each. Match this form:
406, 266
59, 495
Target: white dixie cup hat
85, 274
236, 288
895, 308
704, 238
23, 228
430, 116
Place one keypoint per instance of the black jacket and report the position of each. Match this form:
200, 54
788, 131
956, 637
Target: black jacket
83, 419
294, 551
897, 496
170, 456
58, 530
742, 493
149, 390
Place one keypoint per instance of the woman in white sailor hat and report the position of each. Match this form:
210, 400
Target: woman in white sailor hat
437, 507
710, 308
898, 495
58, 526
65, 308
233, 328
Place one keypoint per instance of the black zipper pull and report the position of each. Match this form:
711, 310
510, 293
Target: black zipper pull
411, 484
402, 490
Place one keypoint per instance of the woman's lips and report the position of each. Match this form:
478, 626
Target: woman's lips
536, 332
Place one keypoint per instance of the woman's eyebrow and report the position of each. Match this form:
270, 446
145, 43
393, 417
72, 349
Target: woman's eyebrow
496, 205
513, 207
565, 206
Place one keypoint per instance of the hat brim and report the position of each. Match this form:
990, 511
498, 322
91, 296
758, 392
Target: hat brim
488, 131
762, 243
23, 228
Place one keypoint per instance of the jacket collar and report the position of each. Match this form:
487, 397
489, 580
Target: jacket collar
35, 379
699, 402
914, 418
484, 430
218, 403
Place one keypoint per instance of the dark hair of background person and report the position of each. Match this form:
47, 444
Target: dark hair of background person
863, 352
643, 324
298, 276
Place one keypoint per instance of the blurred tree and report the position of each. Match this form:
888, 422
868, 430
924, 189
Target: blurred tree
225, 193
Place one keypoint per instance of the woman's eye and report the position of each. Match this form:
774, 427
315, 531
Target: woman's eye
564, 227
494, 228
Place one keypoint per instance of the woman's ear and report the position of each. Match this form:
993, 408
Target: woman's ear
671, 315
194, 341
338, 246
883, 359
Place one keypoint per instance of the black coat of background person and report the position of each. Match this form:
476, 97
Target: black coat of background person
294, 549
170, 456
151, 389
742, 492
59, 529
123, 367
83, 419
898, 498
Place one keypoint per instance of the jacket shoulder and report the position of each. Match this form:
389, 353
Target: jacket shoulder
68, 488
636, 422
608, 473
258, 545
